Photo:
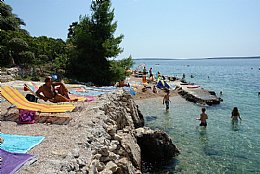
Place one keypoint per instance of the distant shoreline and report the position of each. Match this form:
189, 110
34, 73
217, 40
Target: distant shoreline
250, 57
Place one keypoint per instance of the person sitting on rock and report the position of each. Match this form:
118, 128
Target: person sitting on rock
50, 94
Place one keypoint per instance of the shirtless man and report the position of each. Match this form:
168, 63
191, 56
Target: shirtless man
203, 118
166, 99
49, 93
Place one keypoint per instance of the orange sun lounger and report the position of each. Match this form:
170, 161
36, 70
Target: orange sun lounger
14, 97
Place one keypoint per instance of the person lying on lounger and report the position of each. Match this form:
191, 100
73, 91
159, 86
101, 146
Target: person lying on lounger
52, 95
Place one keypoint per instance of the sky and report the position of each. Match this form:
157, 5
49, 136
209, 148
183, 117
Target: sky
158, 28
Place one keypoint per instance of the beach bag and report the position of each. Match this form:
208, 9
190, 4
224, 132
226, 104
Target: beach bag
26, 116
31, 98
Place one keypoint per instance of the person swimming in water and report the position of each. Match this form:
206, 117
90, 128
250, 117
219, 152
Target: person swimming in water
235, 115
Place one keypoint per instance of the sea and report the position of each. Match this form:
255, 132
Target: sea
221, 147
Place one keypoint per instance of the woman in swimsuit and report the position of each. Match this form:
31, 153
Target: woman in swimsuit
235, 115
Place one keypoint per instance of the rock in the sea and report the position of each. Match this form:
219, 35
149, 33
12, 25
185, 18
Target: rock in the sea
156, 146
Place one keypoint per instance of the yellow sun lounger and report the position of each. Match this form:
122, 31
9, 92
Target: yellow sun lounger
16, 98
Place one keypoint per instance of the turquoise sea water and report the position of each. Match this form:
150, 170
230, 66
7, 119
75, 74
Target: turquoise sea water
221, 147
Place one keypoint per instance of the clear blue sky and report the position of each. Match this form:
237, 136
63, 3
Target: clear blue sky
159, 28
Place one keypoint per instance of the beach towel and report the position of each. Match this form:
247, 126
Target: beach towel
90, 98
102, 88
92, 91
131, 90
19, 143
87, 93
31, 87
11, 162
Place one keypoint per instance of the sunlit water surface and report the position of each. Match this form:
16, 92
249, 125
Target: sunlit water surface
221, 147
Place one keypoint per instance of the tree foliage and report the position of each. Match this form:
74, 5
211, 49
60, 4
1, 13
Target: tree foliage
87, 55
10, 26
17, 47
8, 20
93, 44
26, 57
118, 68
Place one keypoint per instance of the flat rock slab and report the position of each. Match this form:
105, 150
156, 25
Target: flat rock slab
197, 94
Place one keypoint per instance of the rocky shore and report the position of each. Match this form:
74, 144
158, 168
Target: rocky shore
107, 136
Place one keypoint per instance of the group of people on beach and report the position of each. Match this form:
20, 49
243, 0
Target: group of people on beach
151, 76
49, 92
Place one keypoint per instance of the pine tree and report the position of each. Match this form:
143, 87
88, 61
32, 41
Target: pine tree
8, 20
93, 43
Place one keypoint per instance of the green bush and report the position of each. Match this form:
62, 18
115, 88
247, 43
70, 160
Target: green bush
35, 78
26, 57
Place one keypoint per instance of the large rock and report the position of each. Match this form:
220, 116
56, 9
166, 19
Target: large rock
118, 120
156, 146
129, 144
135, 113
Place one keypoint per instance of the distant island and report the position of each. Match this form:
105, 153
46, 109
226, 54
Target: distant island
249, 57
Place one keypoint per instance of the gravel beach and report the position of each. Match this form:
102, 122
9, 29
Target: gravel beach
71, 148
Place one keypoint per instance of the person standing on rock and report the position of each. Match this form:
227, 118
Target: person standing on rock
166, 99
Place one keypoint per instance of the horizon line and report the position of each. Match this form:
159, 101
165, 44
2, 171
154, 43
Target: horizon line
202, 58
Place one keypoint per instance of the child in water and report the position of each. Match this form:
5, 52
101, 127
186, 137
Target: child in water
235, 115
203, 118
166, 99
